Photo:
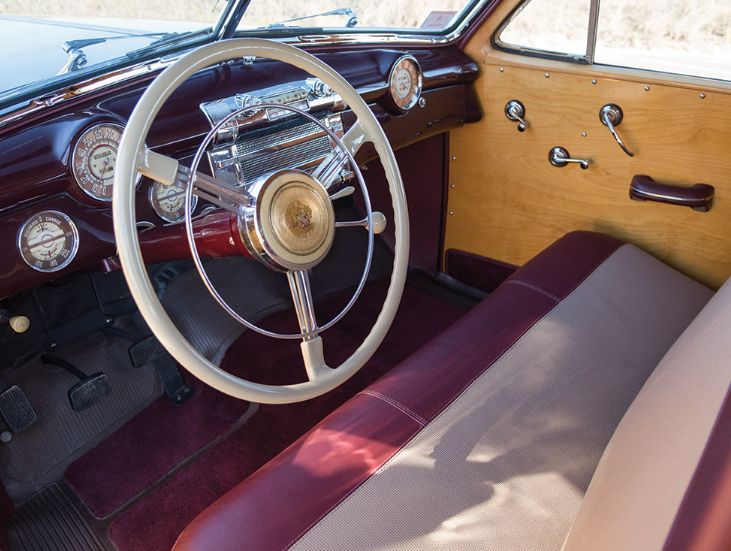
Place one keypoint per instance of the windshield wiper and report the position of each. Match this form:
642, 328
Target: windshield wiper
77, 58
348, 12
167, 40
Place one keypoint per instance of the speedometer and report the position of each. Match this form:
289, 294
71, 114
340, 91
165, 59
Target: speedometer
93, 159
48, 241
404, 83
168, 202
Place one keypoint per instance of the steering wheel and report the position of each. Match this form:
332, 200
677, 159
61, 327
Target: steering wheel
286, 221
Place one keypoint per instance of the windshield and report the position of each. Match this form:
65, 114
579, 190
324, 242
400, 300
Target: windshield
427, 16
46, 41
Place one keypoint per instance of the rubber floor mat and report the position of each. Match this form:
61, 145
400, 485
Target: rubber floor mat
50, 520
32, 457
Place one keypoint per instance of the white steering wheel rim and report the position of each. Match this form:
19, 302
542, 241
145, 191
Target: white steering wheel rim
123, 207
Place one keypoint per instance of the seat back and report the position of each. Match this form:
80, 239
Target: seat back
639, 495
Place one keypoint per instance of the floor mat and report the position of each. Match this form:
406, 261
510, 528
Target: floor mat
154, 522
51, 520
121, 468
62, 433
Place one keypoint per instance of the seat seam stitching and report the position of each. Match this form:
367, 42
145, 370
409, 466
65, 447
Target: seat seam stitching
396, 404
534, 288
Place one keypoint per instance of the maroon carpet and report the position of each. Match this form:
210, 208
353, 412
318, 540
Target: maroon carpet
154, 521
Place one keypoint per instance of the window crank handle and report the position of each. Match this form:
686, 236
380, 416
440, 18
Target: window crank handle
515, 111
611, 115
559, 156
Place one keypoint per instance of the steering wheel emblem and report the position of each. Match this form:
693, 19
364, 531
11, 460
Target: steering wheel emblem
300, 217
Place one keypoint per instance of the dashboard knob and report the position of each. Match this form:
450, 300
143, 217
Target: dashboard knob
19, 324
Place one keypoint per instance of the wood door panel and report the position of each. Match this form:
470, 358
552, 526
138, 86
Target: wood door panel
507, 202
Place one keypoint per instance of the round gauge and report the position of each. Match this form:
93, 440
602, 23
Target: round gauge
48, 241
93, 159
168, 202
404, 83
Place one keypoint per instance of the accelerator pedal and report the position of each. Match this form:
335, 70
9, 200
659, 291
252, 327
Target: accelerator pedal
150, 351
16, 410
90, 390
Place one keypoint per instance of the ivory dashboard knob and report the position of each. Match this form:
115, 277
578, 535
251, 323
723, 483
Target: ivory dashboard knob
19, 324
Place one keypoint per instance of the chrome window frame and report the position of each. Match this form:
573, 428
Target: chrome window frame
587, 58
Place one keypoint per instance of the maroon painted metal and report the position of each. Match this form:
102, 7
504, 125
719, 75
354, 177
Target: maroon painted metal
216, 235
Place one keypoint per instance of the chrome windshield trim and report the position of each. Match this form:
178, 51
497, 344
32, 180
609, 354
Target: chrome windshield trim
130, 72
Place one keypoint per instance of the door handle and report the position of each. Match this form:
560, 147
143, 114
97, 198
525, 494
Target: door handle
698, 197
611, 116
559, 156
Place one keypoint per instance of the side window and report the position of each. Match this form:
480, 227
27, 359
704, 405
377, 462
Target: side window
674, 36
556, 26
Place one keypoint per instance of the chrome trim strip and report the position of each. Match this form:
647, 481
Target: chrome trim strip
591, 35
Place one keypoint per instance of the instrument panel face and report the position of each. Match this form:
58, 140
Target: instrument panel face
168, 202
93, 158
48, 241
405, 82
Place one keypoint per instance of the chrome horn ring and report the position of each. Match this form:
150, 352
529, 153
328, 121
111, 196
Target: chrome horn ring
250, 218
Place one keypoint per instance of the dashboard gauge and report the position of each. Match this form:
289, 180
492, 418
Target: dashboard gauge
93, 159
48, 241
168, 202
404, 83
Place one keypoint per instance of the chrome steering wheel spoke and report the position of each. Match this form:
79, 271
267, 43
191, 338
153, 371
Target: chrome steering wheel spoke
169, 171
328, 171
299, 286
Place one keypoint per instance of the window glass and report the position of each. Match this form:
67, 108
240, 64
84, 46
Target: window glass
424, 15
690, 37
559, 26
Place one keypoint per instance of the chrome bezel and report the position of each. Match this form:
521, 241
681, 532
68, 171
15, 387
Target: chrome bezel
155, 204
419, 82
74, 241
76, 176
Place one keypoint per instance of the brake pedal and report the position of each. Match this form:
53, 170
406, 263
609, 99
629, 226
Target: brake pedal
90, 390
150, 351
16, 410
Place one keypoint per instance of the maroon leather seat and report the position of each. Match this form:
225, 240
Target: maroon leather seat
281, 502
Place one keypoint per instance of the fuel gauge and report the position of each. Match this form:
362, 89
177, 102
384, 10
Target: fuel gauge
168, 202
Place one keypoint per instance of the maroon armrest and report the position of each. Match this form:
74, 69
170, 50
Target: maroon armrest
698, 197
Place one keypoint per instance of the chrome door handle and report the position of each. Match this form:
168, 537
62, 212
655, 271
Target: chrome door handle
611, 116
515, 111
559, 156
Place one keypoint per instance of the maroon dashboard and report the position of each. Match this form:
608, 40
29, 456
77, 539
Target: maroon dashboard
37, 165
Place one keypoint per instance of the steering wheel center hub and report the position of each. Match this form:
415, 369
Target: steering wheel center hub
292, 224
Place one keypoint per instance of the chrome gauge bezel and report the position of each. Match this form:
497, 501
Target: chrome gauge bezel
155, 204
416, 94
73, 248
72, 159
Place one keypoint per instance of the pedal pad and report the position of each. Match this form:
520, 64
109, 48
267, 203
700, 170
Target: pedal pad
16, 410
146, 351
89, 391
150, 351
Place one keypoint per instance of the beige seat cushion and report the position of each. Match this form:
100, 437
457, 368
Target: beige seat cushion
506, 465
643, 475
